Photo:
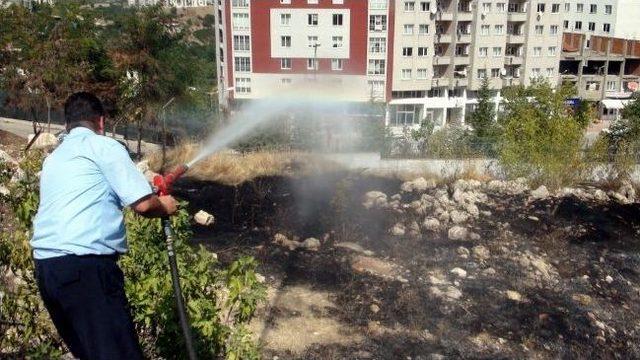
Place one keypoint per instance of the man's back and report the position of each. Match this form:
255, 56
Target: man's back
85, 183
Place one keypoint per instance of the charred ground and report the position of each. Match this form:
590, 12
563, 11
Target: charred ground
551, 277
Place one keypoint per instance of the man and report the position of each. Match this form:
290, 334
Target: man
79, 233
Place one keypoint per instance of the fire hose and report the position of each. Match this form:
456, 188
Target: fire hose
164, 185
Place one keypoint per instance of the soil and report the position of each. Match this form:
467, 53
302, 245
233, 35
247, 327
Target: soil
554, 278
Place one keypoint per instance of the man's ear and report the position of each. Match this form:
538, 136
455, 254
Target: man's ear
101, 125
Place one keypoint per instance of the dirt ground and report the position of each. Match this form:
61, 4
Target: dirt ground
540, 278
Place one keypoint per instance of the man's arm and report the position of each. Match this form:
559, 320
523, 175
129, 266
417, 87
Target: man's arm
155, 206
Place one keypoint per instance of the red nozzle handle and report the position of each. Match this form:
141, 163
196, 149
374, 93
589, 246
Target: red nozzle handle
164, 183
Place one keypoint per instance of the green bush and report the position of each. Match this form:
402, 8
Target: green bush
220, 301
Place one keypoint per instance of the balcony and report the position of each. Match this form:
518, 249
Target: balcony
515, 38
517, 16
465, 16
441, 60
461, 60
441, 81
464, 38
443, 38
444, 15
460, 82
513, 60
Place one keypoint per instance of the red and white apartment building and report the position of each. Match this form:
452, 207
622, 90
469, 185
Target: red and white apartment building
424, 59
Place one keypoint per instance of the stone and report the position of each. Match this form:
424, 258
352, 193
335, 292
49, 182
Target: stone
600, 195
458, 233
473, 210
375, 199
480, 252
4, 191
311, 243
628, 191
418, 185
608, 279
431, 224
204, 218
447, 293
374, 266
489, 272
436, 356
458, 217
463, 252
374, 308
397, 197
513, 295
413, 228
434, 280
44, 140
461, 273
582, 299
354, 247
540, 193
474, 236
398, 230
282, 240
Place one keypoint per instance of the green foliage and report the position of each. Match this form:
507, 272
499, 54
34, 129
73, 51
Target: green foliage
586, 113
220, 301
423, 136
482, 120
542, 138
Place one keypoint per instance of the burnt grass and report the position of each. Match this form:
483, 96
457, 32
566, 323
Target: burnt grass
585, 242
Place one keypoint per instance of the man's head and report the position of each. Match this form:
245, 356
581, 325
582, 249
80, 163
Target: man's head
84, 109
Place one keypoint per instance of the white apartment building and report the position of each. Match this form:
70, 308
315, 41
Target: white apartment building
172, 3
614, 18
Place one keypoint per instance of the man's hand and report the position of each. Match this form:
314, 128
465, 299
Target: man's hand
155, 206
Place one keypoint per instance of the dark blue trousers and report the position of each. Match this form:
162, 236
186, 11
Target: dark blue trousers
86, 301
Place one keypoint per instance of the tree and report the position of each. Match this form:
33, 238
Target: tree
482, 120
542, 138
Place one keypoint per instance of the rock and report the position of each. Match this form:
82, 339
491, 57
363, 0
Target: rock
397, 197
354, 247
461, 273
473, 210
431, 224
540, 193
514, 295
458, 217
628, 191
600, 195
374, 308
474, 236
466, 185
489, 272
418, 185
374, 266
398, 230
44, 140
311, 243
4, 191
447, 293
282, 240
204, 218
582, 299
434, 280
458, 233
608, 279
463, 252
480, 253
436, 356
413, 228
375, 199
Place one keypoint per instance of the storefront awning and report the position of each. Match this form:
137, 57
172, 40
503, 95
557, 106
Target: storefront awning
612, 104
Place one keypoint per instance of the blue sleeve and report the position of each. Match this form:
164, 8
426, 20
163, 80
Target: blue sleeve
123, 176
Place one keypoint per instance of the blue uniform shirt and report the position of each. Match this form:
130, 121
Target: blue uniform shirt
84, 185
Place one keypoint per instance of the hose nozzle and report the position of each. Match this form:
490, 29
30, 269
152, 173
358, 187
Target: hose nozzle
164, 183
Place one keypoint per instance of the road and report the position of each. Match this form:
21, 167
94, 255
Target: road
24, 128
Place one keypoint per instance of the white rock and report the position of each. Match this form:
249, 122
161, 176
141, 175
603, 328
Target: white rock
473, 210
600, 195
311, 244
354, 247
514, 295
396, 197
434, 280
204, 218
458, 217
375, 199
418, 185
282, 240
448, 293
461, 273
489, 272
628, 191
398, 230
458, 233
413, 228
480, 252
540, 193
463, 252
431, 224
374, 308
4, 191
608, 279
44, 140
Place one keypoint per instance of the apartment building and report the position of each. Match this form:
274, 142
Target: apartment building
425, 59
606, 72
172, 3
614, 18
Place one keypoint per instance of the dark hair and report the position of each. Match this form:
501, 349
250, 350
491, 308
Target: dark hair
82, 106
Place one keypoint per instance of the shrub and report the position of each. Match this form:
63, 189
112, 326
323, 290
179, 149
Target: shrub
220, 300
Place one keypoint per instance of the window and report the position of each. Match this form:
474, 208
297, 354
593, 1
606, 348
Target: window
242, 64
579, 8
285, 19
312, 19
378, 4
498, 30
541, 7
566, 24
243, 85
313, 2
537, 51
567, 7
377, 45
553, 30
592, 86
336, 41
486, 7
312, 64
285, 81
285, 41
405, 115
501, 7
497, 51
495, 73
483, 51
240, 3
593, 9
285, 1
376, 67
312, 41
578, 25
377, 23
423, 29
550, 72
482, 73
423, 51
377, 86
514, 7
484, 30
409, 6
539, 29
406, 74
241, 43
606, 28
611, 85
285, 64
337, 19
421, 73
425, 6
240, 21
407, 51
555, 8
552, 50
408, 29
535, 72
608, 9
592, 26
336, 64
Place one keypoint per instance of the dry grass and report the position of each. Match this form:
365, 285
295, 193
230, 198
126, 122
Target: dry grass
232, 168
